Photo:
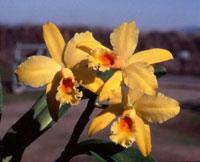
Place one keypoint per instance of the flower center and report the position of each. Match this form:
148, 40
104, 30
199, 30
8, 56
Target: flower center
126, 124
67, 85
108, 59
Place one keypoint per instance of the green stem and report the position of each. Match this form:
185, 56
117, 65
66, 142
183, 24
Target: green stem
72, 148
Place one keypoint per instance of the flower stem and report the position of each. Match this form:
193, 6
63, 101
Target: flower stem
72, 148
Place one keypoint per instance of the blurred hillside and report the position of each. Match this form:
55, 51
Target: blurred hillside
174, 41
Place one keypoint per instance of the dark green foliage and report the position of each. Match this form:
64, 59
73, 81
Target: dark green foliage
38, 120
105, 75
27, 129
104, 151
159, 70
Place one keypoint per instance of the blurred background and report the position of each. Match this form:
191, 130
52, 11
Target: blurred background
169, 24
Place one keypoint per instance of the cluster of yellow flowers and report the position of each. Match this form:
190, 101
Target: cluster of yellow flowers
131, 91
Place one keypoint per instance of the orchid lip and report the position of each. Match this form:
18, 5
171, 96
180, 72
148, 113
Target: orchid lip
67, 85
126, 124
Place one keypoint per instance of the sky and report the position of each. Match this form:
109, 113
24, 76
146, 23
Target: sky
148, 14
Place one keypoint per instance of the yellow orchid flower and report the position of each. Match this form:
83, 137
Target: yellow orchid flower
132, 121
135, 71
61, 78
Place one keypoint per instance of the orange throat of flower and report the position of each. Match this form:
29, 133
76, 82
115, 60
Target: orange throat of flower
67, 85
126, 124
110, 60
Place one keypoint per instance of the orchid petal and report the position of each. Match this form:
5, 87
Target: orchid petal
79, 47
151, 56
157, 108
143, 136
87, 77
54, 41
37, 71
102, 120
112, 88
51, 91
140, 77
124, 39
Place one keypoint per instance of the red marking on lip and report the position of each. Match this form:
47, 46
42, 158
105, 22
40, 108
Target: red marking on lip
126, 124
67, 85
108, 59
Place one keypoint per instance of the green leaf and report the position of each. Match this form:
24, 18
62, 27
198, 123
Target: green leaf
105, 75
99, 149
96, 145
104, 151
97, 157
129, 155
159, 70
1, 99
27, 129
